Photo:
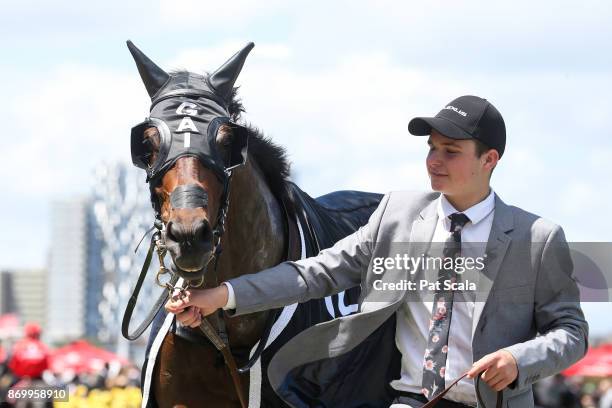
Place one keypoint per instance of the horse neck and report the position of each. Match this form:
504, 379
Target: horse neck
254, 237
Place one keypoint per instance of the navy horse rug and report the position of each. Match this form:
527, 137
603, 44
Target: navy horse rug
320, 222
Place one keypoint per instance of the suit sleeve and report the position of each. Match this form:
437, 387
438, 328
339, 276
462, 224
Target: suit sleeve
562, 329
331, 271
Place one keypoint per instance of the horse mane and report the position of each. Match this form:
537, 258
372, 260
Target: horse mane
270, 157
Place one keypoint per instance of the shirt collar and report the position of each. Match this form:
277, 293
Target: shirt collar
475, 213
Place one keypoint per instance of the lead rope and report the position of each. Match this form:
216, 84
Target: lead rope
129, 309
219, 340
219, 337
434, 402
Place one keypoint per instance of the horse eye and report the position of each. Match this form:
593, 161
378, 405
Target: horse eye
148, 150
224, 138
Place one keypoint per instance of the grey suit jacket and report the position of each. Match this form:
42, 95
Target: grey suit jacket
532, 301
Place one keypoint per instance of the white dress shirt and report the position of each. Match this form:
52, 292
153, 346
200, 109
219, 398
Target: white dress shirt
231, 298
413, 317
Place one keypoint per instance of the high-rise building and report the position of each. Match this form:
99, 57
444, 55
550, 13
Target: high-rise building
7, 300
121, 214
67, 270
23, 294
30, 295
93, 266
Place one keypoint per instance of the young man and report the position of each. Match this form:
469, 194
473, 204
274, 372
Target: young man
527, 325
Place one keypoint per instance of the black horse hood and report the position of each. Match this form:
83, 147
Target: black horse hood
187, 110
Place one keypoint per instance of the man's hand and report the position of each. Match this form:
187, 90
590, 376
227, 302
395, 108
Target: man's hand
196, 303
499, 368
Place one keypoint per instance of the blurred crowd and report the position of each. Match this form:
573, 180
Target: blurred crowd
573, 392
25, 366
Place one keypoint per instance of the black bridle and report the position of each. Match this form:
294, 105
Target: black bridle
185, 104
157, 244
218, 337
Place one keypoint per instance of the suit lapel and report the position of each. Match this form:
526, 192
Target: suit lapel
497, 246
422, 231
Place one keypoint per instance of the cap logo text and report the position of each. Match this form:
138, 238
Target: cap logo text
457, 110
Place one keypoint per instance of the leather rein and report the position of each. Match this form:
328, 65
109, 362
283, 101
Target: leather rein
477, 380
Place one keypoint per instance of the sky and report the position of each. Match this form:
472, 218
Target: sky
335, 83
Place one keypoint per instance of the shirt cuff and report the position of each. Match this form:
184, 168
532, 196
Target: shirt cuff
231, 298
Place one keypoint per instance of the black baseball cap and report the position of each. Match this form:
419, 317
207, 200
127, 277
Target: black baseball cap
467, 117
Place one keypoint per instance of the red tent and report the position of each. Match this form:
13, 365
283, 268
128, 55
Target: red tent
9, 326
596, 363
81, 357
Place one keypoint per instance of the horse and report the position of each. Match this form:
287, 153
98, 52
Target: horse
225, 206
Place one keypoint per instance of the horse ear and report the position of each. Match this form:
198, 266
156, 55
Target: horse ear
239, 146
223, 79
153, 76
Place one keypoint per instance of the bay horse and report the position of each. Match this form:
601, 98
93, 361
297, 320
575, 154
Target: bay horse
217, 184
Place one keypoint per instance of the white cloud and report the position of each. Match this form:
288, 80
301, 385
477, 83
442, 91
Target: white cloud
399, 175
601, 160
214, 13
355, 107
208, 59
70, 119
577, 197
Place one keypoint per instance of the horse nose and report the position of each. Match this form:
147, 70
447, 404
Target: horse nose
186, 235
190, 245
203, 231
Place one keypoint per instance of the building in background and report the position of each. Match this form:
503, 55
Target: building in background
67, 270
93, 266
7, 302
23, 299
121, 214
94, 276
30, 295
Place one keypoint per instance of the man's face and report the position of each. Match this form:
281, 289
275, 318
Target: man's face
453, 167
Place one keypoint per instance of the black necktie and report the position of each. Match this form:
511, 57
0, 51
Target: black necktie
434, 362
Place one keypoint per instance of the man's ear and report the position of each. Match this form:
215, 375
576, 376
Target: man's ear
491, 157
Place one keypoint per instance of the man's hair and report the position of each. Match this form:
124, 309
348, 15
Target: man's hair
481, 149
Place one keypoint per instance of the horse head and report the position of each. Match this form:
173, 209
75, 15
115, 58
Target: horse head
189, 146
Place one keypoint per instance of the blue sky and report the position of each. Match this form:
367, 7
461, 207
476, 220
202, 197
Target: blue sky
334, 82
